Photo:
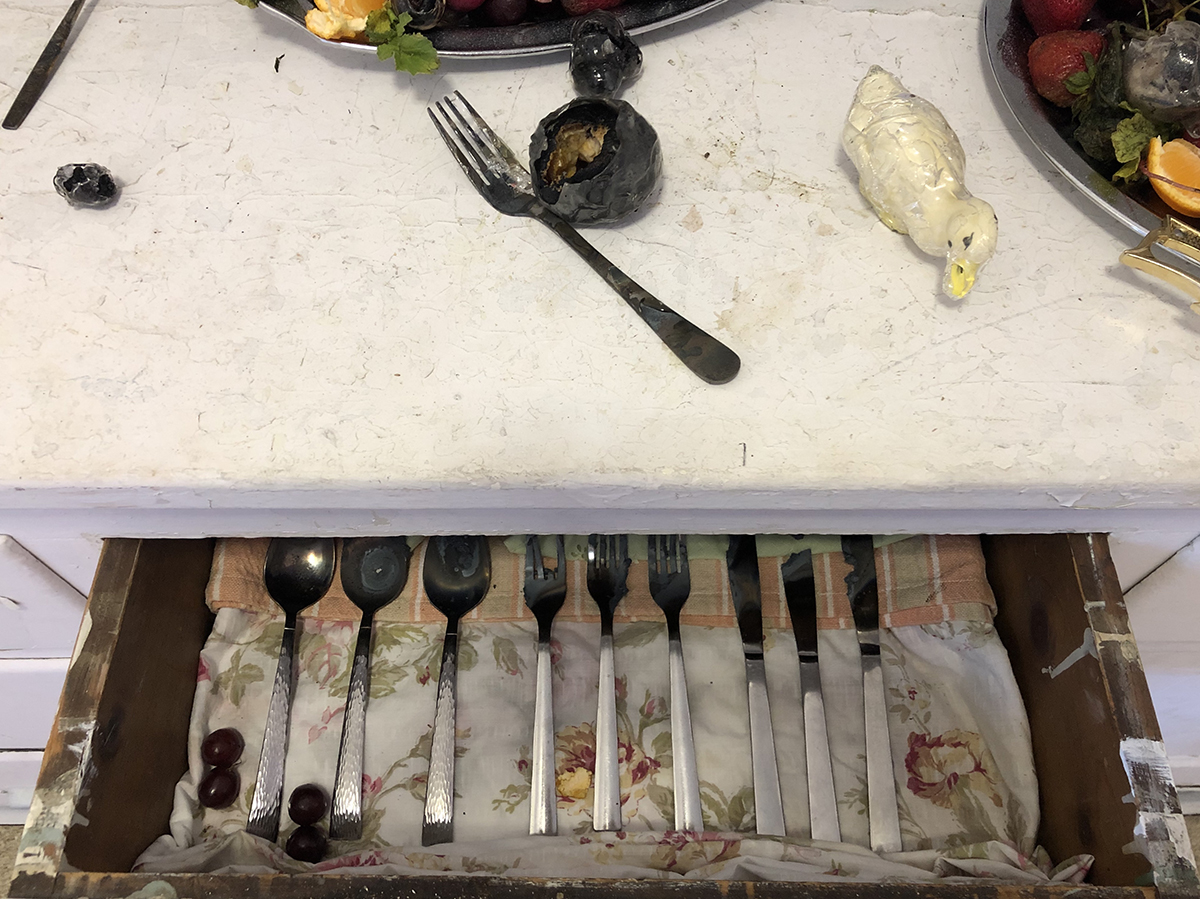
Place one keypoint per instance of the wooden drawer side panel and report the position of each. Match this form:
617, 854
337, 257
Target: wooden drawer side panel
139, 749
1063, 622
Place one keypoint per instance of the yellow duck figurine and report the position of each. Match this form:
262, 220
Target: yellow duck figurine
910, 167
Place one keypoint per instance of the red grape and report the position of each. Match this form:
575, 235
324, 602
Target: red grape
505, 12
222, 748
306, 844
219, 788
307, 804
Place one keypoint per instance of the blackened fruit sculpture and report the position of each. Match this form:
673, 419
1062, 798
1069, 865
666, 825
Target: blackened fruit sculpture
219, 788
307, 844
594, 160
222, 748
85, 184
307, 804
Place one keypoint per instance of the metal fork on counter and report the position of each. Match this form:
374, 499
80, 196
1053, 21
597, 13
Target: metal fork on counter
670, 585
505, 183
545, 591
607, 571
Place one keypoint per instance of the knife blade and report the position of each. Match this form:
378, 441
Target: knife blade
800, 590
43, 69
742, 562
863, 591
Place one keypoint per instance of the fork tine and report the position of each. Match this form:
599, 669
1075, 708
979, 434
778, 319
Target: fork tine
683, 562
463, 162
672, 551
471, 143
622, 550
560, 546
497, 144
531, 554
593, 556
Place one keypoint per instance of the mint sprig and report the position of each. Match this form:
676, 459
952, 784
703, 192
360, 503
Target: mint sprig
411, 52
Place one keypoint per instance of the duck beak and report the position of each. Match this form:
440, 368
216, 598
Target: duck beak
961, 276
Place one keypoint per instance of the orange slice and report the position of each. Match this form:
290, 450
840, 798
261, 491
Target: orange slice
1174, 170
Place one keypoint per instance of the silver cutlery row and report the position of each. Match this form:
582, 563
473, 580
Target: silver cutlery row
457, 575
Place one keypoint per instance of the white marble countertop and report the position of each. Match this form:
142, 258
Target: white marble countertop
301, 317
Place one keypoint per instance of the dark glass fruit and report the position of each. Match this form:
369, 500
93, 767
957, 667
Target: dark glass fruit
603, 56
504, 12
594, 160
307, 804
222, 748
85, 184
307, 844
219, 788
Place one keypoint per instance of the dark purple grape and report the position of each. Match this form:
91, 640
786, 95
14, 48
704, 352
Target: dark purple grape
505, 12
603, 55
222, 748
307, 844
219, 788
307, 805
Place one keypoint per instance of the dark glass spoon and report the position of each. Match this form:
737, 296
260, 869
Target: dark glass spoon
458, 572
374, 572
298, 572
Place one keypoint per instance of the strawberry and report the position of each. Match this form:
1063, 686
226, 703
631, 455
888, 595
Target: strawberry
1055, 61
583, 7
1048, 16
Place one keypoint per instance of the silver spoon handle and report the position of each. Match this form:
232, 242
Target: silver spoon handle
606, 807
345, 815
438, 826
268, 786
543, 798
683, 748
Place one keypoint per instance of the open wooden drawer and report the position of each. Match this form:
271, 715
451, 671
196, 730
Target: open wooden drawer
119, 743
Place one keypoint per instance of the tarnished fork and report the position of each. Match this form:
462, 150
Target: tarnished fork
505, 183
545, 591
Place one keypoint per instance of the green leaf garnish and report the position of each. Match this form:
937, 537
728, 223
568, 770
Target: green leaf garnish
411, 52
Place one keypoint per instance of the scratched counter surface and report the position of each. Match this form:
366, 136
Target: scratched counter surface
301, 317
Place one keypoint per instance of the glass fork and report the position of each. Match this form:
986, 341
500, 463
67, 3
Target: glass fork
670, 585
545, 591
497, 174
607, 571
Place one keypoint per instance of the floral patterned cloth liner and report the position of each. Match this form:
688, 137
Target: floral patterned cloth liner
961, 749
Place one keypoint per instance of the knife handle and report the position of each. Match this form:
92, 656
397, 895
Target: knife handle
768, 798
822, 798
882, 812
606, 804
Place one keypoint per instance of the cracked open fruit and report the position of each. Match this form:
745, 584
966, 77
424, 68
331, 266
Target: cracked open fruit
595, 160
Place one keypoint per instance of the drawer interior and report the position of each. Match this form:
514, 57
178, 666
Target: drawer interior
119, 745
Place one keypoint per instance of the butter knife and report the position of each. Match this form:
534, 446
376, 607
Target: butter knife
863, 590
800, 590
43, 69
742, 561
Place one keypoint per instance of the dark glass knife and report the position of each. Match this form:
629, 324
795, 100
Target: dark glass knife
742, 561
800, 590
863, 590
43, 69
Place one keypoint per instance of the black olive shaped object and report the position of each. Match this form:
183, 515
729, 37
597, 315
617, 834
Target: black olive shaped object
603, 55
86, 184
595, 160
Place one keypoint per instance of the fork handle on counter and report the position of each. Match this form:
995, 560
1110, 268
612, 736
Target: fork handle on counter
543, 799
706, 356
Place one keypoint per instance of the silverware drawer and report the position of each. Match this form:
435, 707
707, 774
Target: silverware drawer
118, 747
